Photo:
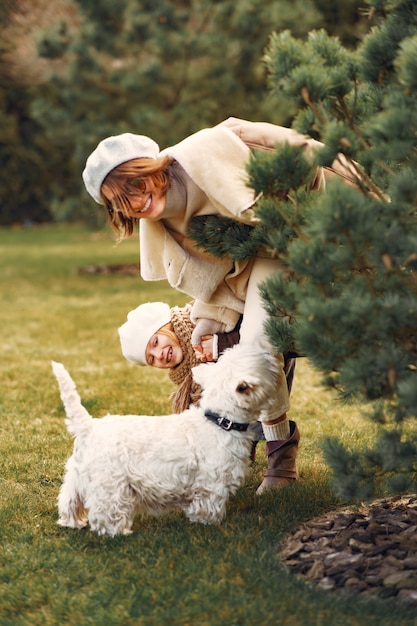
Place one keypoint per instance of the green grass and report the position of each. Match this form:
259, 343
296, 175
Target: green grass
168, 571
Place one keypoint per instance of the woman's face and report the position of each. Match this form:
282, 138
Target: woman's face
163, 352
146, 200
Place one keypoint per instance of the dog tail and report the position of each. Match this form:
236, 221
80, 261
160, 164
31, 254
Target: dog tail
78, 420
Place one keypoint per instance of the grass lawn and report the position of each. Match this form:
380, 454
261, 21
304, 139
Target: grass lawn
168, 572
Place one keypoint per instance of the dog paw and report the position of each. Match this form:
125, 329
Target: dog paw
76, 524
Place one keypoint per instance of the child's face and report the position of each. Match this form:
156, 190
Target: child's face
163, 352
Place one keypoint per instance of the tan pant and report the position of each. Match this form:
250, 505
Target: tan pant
252, 329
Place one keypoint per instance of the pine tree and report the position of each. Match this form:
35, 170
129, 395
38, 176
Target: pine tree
21, 197
351, 252
36, 172
162, 68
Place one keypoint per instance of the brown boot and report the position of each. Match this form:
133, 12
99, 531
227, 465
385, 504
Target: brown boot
281, 454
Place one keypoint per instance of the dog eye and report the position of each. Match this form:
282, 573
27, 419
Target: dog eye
242, 387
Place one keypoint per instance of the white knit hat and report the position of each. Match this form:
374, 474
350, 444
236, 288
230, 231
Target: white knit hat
110, 153
142, 323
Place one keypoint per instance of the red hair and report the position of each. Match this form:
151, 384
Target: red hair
115, 186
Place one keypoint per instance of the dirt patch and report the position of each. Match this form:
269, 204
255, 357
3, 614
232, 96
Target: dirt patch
370, 550
128, 269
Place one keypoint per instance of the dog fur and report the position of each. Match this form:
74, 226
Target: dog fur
126, 464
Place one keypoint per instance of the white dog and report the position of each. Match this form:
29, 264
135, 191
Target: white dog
125, 464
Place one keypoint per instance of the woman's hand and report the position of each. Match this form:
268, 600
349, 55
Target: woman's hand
205, 327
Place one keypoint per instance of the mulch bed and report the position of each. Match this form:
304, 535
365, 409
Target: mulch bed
370, 550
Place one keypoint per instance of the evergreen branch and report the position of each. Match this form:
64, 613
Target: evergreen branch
224, 237
366, 146
364, 271
359, 173
363, 181
346, 112
291, 223
306, 97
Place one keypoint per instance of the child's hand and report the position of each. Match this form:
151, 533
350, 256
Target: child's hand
205, 350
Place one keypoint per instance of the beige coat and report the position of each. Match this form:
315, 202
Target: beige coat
215, 161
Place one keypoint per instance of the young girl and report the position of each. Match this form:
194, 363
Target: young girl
203, 174
157, 335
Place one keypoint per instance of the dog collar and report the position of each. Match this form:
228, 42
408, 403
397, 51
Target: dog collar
224, 422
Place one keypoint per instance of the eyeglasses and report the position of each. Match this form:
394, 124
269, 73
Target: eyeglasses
138, 184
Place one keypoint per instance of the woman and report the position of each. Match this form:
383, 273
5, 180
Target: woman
203, 174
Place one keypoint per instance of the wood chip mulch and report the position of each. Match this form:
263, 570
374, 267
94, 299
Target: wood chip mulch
370, 550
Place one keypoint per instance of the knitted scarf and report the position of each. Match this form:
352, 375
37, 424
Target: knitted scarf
188, 392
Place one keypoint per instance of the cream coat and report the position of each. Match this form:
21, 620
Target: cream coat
215, 160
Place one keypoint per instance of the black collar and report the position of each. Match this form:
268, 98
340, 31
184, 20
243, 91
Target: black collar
224, 422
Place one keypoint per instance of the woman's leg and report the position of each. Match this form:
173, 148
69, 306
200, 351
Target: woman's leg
281, 435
